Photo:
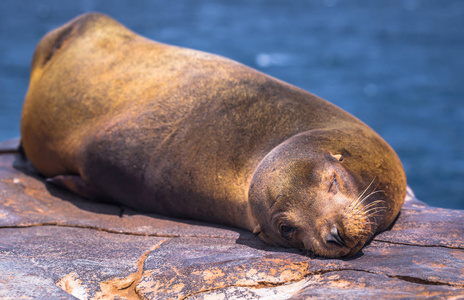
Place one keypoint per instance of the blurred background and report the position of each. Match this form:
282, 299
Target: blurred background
396, 64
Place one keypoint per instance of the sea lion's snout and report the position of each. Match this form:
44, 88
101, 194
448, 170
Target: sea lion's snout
331, 239
334, 238
346, 231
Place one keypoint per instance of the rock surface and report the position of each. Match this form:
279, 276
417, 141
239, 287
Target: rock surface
54, 244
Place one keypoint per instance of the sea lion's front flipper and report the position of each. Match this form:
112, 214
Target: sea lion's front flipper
76, 184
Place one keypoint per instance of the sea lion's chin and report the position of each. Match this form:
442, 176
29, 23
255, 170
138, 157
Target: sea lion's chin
339, 234
326, 241
330, 245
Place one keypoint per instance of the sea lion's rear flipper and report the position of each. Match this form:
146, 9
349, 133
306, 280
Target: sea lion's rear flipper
76, 184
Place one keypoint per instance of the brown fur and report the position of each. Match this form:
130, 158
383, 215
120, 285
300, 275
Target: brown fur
112, 115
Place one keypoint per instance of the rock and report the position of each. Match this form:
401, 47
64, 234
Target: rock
54, 244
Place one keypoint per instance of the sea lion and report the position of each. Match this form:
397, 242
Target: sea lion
112, 115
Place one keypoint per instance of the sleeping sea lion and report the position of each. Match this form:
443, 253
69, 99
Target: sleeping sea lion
112, 115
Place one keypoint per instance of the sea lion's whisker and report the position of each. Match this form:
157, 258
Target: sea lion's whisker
354, 204
365, 198
354, 212
373, 193
373, 214
361, 211
378, 208
375, 202
372, 204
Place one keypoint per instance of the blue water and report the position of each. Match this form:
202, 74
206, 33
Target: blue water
396, 65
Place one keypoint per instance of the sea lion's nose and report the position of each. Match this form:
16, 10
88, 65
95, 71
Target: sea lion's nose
334, 237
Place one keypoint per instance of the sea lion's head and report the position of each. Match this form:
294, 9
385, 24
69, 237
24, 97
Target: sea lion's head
327, 193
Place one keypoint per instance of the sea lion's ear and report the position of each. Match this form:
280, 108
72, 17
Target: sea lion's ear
257, 230
339, 157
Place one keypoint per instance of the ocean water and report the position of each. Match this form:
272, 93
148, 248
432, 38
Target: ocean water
396, 64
